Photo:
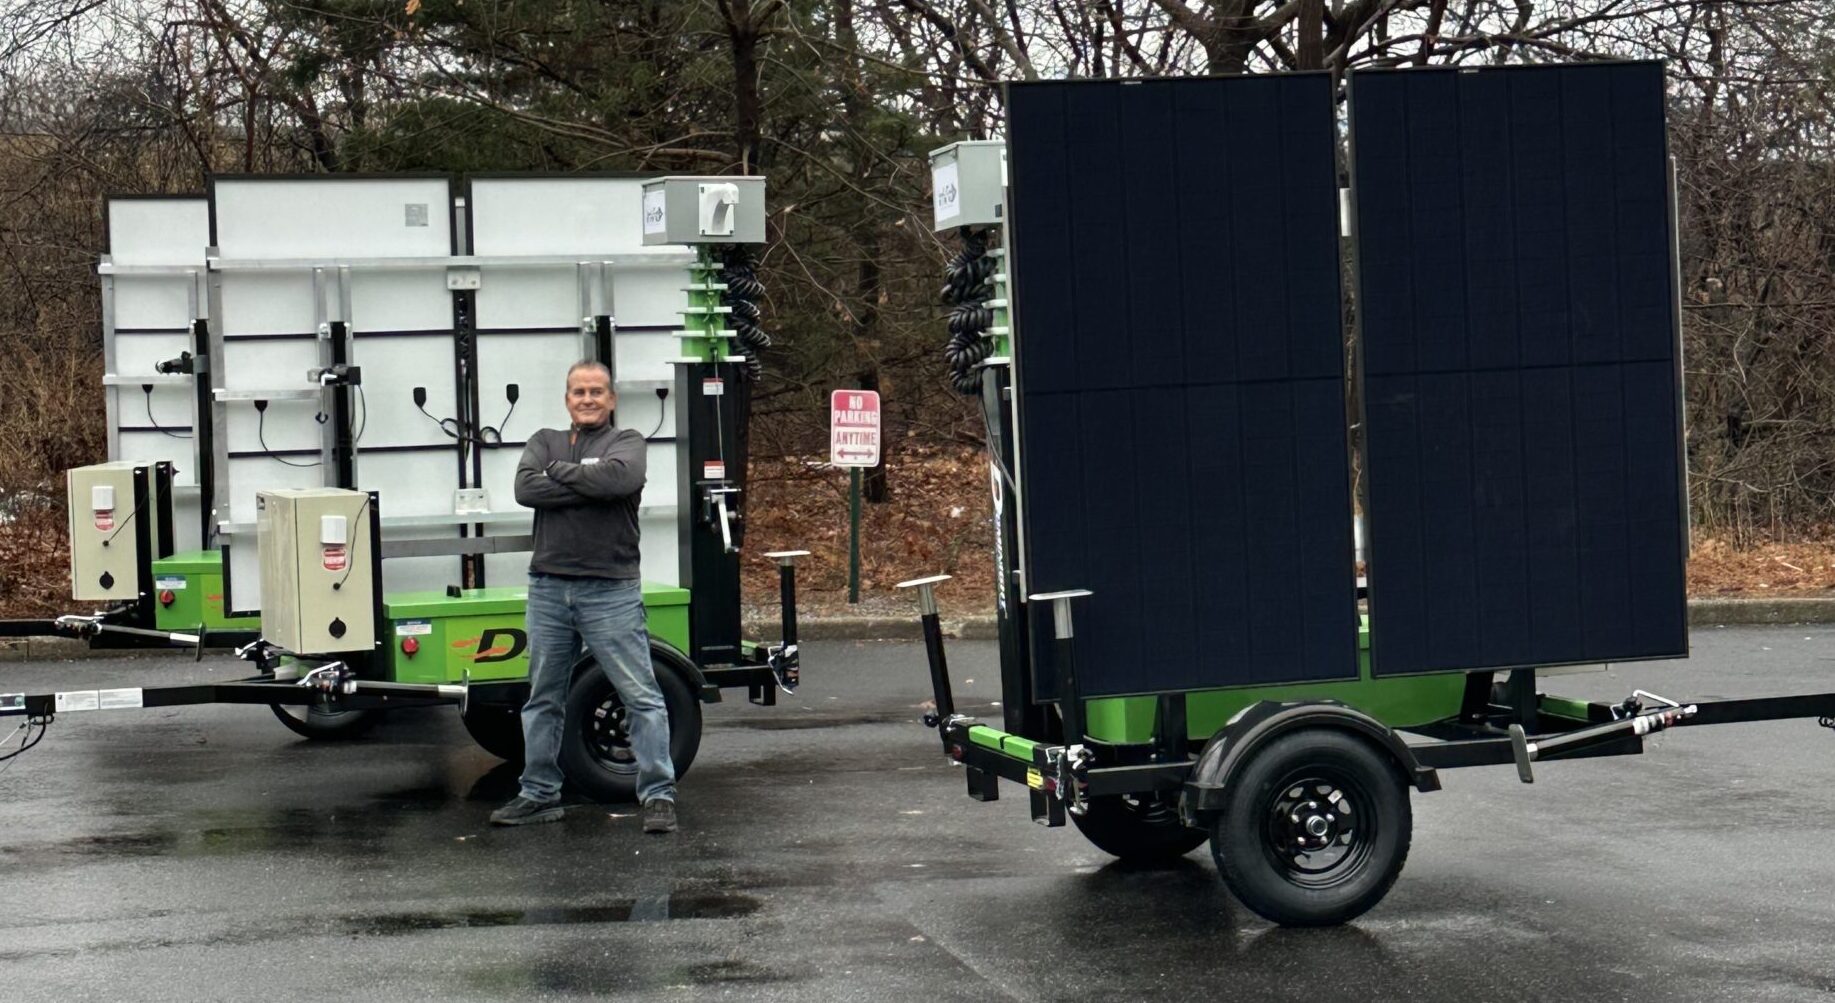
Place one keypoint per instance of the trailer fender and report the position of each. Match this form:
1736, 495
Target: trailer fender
1237, 741
665, 657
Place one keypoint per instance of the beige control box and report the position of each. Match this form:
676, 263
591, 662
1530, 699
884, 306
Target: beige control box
114, 517
317, 586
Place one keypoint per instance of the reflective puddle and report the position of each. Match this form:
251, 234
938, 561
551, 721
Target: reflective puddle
638, 910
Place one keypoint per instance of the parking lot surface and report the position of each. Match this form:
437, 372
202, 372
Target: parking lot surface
828, 852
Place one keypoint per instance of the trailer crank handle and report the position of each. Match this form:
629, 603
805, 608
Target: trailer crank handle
1526, 751
725, 516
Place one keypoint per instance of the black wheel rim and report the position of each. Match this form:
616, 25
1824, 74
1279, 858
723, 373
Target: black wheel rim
608, 736
1320, 827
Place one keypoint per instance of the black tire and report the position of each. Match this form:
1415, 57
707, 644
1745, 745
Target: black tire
1138, 829
324, 725
497, 728
595, 757
1353, 812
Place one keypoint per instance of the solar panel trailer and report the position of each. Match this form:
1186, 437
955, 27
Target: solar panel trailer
1151, 317
392, 340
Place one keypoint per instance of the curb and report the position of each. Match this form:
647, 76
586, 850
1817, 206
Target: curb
1701, 613
1731, 612
981, 627
65, 649
875, 628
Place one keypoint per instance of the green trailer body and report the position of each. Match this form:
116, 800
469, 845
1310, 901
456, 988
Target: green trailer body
1397, 701
479, 635
194, 580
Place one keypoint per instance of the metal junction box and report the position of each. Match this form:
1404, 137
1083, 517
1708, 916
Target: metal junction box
318, 560
114, 519
704, 210
968, 183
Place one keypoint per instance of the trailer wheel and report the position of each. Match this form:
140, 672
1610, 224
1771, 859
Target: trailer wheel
595, 748
497, 728
1138, 829
1315, 829
321, 724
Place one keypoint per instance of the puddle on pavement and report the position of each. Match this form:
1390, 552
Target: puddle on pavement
129, 844
640, 910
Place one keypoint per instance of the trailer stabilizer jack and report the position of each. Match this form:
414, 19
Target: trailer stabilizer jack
784, 659
944, 716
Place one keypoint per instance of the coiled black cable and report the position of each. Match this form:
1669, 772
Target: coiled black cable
969, 286
739, 270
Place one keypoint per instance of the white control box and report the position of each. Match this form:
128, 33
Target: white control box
968, 182
318, 586
704, 210
114, 518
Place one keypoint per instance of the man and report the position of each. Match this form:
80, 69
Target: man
583, 484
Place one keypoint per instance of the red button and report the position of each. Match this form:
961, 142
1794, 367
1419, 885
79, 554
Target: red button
409, 646
166, 598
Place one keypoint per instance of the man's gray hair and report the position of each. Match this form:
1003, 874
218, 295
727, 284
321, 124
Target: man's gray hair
598, 367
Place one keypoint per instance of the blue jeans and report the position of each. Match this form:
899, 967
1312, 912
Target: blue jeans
608, 614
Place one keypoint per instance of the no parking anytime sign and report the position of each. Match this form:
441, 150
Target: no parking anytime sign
853, 428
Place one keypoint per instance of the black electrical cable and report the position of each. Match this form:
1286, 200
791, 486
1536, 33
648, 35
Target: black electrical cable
739, 271
147, 388
969, 286
350, 562
493, 434
261, 436
487, 436
363, 425
451, 433
124, 522
44, 724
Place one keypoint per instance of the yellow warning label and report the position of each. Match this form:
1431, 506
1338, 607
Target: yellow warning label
1035, 780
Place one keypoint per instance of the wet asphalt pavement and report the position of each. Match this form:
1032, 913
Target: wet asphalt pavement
828, 853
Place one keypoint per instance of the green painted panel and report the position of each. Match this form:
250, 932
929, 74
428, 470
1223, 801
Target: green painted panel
498, 600
190, 562
454, 648
1397, 701
1008, 745
986, 737
670, 624
1019, 748
1121, 719
197, 599
1565, 707
481, 635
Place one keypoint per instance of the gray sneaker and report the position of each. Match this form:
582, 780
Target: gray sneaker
522, 811
659, 815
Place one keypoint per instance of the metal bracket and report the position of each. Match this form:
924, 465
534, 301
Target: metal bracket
1069, 765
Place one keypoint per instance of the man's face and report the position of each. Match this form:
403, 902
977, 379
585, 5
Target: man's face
589, 397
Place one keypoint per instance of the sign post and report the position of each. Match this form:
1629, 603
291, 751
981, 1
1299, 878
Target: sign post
853, 442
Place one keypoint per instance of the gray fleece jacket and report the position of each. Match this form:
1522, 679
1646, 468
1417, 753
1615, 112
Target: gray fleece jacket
584, 485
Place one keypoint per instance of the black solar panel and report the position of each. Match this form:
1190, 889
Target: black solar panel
1520, 367
1180, 364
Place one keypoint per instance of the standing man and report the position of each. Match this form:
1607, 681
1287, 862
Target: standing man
584, 585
